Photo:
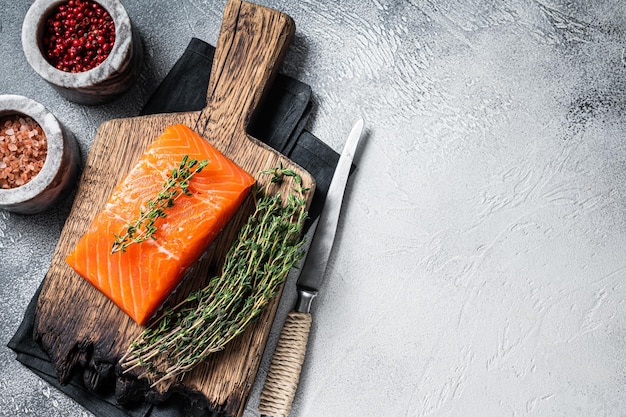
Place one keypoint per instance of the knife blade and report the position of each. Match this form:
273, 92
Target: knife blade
284, 373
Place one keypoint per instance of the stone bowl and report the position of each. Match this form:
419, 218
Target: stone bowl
61, 167
104, 83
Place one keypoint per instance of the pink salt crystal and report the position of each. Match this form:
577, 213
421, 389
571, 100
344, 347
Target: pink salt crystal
20, 162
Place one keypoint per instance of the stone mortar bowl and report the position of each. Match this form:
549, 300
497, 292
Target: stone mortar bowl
61, 166
104, 83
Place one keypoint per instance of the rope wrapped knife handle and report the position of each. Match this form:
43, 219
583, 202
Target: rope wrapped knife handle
282, 378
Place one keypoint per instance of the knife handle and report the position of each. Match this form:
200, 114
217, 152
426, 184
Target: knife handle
284, 373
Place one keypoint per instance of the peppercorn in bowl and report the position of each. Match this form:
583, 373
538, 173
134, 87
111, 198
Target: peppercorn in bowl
39, 158
87, 50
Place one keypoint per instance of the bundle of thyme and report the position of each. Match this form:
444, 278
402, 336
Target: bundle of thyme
258, 262
175, 186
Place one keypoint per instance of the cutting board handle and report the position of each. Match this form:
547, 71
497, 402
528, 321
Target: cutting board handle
251, 46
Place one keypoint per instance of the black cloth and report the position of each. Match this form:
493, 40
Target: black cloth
279, 122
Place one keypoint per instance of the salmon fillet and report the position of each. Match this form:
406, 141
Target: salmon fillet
139, 279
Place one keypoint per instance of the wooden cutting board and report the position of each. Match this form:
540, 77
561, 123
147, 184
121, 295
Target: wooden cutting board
83, 331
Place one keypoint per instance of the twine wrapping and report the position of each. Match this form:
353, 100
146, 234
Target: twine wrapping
284, 373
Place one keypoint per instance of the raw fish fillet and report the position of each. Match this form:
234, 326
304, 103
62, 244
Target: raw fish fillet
139, 279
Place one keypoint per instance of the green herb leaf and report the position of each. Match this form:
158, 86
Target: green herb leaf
176, 185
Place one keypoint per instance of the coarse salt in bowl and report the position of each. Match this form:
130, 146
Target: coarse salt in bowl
39, 159
23, 150
116, 47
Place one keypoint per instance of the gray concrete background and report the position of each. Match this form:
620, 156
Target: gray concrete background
480, 263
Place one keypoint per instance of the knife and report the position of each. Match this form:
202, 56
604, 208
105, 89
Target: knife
284, 373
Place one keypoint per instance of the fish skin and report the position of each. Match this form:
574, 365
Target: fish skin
140, 279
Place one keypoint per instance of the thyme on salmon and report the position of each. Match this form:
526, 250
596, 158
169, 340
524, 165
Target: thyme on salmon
258, 262
175, 186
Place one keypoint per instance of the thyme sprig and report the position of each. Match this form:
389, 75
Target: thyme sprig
258, 262
175, 186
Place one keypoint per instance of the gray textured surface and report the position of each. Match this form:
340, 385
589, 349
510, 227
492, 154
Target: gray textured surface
480, 265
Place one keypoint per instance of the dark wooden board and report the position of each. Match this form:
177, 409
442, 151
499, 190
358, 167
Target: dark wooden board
80, 328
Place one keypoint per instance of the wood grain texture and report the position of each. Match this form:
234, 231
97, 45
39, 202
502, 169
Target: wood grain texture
80, 328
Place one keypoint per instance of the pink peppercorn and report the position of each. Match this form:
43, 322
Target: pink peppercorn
78, 36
